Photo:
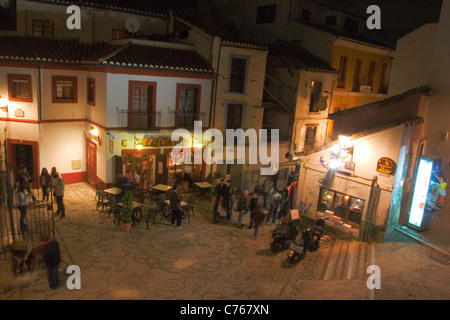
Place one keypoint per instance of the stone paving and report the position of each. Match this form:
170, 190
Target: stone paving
206, 261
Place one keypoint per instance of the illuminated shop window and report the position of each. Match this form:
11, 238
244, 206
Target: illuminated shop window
345, 206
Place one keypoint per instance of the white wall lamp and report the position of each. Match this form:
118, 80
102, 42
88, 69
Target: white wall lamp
3, 104
94, 132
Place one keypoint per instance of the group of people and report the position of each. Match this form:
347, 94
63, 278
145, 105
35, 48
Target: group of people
264, 199
49, 182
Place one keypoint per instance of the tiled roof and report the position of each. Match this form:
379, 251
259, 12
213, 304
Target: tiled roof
170, 59
39, 50
291, 55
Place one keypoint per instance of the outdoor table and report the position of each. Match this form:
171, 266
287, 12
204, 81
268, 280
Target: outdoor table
113, 191
182, 203
158, 189
203, 187
137, 206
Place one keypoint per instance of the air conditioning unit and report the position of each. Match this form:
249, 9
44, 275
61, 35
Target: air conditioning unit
365, 88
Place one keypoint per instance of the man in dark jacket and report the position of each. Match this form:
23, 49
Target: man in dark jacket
219, 190
175, 206
52, 258
258, 217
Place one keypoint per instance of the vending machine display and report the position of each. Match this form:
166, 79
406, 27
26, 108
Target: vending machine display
425, 193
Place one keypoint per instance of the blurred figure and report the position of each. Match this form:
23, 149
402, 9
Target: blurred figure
52, 258
22, 203
45, 182
58, 191
242, 208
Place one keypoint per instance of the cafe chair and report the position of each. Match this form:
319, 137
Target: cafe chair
117, 214
102, 201
99, 187
186, 210
151, 216
191, 202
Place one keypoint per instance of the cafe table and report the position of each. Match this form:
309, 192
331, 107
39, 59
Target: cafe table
158, 189
203, 187
137, 210
113, 191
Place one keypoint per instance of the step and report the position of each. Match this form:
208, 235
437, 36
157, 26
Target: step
347, 261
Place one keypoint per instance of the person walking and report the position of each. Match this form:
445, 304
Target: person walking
22, 203
58, 191
267, 190
253, 204
274, 206
52, 258
242, 208
45, 182
258, 217
24, 181
226, 197
175, 207
219, 190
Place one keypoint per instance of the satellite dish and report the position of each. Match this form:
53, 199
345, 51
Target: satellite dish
132, 24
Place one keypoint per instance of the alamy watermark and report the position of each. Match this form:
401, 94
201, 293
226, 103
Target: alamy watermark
214, 151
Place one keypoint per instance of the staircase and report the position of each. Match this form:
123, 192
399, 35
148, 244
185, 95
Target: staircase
347, 261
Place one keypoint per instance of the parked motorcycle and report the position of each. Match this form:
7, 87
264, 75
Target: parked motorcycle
309, 241
282, 236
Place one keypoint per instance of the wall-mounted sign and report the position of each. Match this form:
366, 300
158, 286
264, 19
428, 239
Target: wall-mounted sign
158, 142
386, 165
19, 113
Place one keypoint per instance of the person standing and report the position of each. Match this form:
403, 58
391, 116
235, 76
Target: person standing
258, 217
242, 207
274, 206
45, 182
22, 203
175, 207
267, 190
219, 190
58, 191
291, 179
24, 181
226, 197
253, 204
231, 201
52, 258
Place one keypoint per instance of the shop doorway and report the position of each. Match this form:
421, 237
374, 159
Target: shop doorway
143, 164
91, 162
161, 173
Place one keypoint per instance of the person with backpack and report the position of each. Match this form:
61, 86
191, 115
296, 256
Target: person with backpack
275, 203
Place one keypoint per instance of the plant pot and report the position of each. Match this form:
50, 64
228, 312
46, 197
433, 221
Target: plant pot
126, 226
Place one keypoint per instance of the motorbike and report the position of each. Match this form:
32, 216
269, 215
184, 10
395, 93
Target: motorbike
309, 241
282, 236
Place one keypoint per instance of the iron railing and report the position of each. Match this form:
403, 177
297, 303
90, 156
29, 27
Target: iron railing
138, 120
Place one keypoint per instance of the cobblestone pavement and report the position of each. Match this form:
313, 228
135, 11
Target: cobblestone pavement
206, 261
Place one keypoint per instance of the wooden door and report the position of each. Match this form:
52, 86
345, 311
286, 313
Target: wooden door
161, 173
91, 162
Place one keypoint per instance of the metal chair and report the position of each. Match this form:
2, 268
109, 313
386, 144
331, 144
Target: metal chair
99, 187
191, 202
102, 201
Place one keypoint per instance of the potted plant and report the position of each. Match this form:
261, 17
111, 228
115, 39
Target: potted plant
127, 209
213, 179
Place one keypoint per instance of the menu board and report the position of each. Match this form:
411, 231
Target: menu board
420, 192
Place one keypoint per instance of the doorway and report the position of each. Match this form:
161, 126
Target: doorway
91, 162
25, 153
161, 173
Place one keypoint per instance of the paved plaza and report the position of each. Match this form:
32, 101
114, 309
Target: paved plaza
206, 261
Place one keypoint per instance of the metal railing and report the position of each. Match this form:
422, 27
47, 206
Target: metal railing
138, 120
181, 119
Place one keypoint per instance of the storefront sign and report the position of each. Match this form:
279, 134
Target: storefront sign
386, 165
158, 142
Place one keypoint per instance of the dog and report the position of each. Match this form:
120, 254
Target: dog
34, 258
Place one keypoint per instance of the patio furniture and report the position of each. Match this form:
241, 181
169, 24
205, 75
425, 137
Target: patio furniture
151, 216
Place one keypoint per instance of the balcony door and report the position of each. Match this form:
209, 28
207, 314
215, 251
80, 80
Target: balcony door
141, 113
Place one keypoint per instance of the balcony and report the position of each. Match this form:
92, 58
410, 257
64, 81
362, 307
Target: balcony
139, 120
185, 120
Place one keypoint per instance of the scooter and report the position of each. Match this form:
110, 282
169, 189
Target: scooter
310, 241
281, 237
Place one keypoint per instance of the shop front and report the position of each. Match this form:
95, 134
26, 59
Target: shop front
151, 160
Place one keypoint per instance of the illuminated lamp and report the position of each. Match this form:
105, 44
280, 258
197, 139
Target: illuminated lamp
94, 131
3, 104
344, 140
334, 164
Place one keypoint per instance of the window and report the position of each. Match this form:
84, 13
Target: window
371, 74
310, 137
91, 91
347, 207
351, 25
188, 105
305, 15
19, 87
64, 89
331, 21
266, 14
384, 82
357, 75
141, 109
43, 28
316, 91
234, 115
238, 75
342, 72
